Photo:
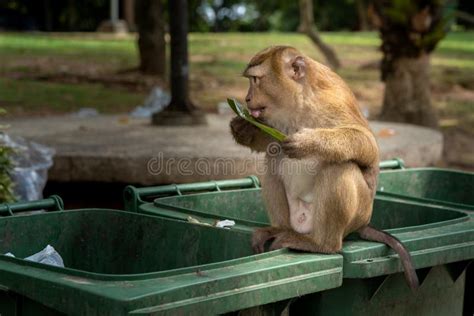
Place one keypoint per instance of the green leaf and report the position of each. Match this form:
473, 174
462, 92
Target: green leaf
244, 113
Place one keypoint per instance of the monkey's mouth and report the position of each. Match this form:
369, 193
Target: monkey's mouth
257, 112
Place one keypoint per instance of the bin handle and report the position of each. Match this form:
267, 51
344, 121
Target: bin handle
53, 203
395, 163
133, 197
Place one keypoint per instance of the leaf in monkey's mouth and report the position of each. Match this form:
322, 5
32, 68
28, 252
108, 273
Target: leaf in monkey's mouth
244, 113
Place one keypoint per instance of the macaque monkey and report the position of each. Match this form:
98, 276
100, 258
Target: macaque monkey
320, 186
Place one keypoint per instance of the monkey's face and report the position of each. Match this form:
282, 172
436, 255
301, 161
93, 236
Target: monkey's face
275, 83
260, 99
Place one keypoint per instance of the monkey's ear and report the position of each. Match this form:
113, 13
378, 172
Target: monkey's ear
298, 66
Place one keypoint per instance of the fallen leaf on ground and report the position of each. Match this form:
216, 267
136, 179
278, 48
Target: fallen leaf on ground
386, 132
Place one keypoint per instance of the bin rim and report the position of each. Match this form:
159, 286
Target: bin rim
440, 244
425, 200
408, 170
248, 225
137, 276
291, 273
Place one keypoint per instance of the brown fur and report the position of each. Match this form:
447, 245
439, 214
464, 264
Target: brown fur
325, 128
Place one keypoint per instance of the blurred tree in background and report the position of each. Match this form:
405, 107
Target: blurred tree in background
204, 15
308, 27
53, 15
150, 23
410, 31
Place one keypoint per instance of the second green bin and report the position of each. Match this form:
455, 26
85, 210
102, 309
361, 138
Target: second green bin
440, 239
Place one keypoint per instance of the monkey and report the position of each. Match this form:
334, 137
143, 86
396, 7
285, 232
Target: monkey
329, 187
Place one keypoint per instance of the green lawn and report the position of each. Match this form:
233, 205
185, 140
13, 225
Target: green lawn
40, 97
28, 60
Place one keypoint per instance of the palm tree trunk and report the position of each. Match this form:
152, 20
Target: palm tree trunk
407, 92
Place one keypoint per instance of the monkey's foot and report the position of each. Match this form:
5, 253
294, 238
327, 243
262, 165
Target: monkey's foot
261, 236
295, 241
284, 239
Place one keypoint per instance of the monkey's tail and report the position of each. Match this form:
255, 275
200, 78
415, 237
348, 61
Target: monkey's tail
372, 234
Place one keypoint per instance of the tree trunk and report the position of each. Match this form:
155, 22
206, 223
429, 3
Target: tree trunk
362, 14
308, 27
151, 40
128, 14
407, 92
48, 16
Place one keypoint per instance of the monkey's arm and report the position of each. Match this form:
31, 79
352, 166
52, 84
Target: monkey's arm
248, 135
334, 145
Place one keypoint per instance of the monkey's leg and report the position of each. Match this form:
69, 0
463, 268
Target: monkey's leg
342, 204
274, 197
276, 203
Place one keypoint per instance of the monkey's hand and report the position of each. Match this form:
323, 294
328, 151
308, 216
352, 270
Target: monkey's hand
299, 145
243, 131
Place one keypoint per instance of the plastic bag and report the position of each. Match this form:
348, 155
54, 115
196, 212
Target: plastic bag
48, 255
157, 101
31, 163
86, 112
226, 223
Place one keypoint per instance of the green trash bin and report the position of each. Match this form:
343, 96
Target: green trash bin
440, 240
119, 262
431, 186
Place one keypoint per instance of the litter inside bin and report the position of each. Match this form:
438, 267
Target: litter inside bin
225, 224
48, 255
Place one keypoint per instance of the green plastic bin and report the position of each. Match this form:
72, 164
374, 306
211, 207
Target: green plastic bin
431, 186
120, 262
440, 240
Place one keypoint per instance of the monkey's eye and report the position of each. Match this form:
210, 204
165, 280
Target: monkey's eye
254, 79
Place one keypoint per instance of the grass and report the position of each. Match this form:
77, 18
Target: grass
39, 97
216, 61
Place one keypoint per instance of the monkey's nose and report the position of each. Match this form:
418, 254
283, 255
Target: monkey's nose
247, 99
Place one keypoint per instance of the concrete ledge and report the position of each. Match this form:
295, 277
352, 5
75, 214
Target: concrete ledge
116, 148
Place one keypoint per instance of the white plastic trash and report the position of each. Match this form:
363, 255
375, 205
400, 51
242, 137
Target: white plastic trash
48, 255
